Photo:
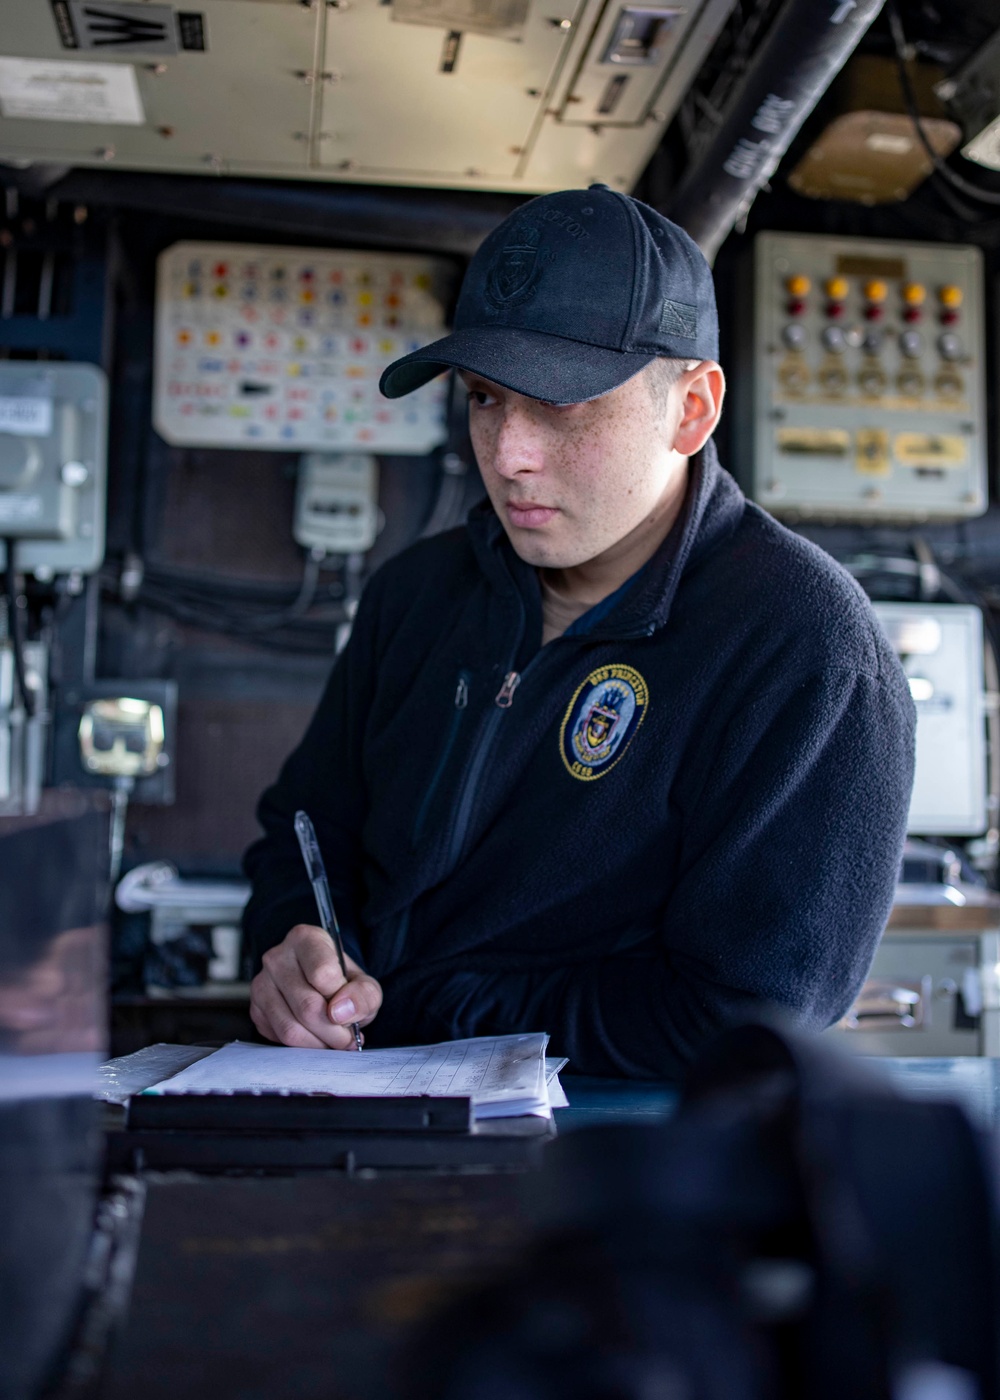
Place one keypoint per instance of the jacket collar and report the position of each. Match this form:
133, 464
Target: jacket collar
712, 509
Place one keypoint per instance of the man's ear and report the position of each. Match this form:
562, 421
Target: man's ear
702, 390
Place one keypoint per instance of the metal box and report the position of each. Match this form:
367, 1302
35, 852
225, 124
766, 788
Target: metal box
941, 649
868, 392
53, 465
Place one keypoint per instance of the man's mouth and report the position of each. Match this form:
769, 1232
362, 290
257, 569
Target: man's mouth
526, 515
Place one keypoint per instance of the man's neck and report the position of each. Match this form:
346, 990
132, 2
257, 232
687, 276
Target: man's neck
597, 578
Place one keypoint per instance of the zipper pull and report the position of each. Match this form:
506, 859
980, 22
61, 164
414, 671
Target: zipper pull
505, 698
461, 693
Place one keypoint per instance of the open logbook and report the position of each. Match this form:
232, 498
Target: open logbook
505, 1076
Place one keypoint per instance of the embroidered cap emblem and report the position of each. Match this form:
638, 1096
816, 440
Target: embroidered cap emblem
601, 720
514, 271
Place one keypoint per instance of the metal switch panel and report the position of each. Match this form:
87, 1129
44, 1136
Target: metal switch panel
867, 362
53, 465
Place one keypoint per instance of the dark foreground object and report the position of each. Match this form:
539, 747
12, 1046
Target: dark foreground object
796, 1230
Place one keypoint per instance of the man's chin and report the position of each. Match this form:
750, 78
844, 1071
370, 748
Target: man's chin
542, 553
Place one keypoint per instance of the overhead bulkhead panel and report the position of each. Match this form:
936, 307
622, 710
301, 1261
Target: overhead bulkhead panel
512, 95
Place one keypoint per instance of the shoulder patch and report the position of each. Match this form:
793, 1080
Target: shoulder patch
601, 720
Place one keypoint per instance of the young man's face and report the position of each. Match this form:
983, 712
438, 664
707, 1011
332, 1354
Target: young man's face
571, 483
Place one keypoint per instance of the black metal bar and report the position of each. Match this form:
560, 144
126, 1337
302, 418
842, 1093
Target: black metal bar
807, 46
313, 1113
449, 221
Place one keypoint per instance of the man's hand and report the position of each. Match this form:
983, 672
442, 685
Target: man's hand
300, 996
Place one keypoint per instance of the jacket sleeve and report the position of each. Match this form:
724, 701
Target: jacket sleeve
791, 852
323, 777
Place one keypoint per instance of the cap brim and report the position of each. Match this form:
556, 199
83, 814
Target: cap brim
540, 366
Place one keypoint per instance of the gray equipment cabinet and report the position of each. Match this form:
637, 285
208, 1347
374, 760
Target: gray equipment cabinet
933, 989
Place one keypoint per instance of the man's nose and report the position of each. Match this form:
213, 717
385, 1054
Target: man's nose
519, 446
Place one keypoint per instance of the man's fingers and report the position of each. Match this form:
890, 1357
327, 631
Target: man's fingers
282, 1024
275, 1018
359, 1001
317, 957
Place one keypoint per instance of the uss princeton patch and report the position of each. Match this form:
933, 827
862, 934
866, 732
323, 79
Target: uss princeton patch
601, 720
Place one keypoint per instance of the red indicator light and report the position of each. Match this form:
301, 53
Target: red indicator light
835, 309
912, 313
950, 317
873, 313
796, 308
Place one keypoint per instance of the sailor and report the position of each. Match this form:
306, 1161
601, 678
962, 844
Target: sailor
623, 759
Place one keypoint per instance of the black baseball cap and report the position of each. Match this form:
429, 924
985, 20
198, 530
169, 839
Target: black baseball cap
573, 294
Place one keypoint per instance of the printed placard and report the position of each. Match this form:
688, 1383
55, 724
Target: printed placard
284, 347
25, 417
70, 90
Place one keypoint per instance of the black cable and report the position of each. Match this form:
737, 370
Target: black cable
940, 165
15, 626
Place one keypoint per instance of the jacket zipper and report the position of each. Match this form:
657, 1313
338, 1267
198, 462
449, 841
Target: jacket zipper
460, 707
467, 795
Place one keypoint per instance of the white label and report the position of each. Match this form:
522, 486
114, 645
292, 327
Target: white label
26, 417
20, 508
66, 90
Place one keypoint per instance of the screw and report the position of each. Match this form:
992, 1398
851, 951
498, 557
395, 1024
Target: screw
517, 150
165, 130
80, 214
658, 116
533, 92
474, 174
105, 153
347, 165
156, 68
561, 23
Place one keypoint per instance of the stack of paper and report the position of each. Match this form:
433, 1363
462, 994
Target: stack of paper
505, 1076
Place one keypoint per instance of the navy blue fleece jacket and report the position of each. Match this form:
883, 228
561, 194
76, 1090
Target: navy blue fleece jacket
696, 806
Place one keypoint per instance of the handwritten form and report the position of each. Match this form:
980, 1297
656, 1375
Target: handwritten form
505, 1076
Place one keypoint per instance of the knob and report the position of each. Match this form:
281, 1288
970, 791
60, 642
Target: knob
833, 339
911, 343
950, 346
794, 335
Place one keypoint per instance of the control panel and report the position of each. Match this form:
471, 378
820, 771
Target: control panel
53, 465
868, 390
283, 348
941, 649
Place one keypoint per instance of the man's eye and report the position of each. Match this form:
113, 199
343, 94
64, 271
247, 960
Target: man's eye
480, 398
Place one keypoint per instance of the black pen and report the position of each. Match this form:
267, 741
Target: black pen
316, 871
